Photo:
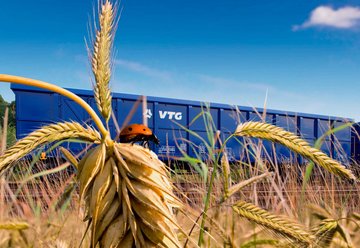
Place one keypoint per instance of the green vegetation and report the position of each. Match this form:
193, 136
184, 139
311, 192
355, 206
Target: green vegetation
11, 129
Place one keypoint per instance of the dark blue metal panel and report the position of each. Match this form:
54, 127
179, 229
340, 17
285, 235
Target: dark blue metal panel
342, 152
36, 106
125, 106
326, 147
229, 119
286, 122
167, 115
234, 147
198, 118
284, 154
199, 145
307, 128
323, 127
171, 141
71, 111
344, 134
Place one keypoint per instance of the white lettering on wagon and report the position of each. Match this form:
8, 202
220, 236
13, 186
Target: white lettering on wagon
166, 149
170, 115
148, 113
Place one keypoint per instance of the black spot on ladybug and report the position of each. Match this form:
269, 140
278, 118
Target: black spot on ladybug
130, 128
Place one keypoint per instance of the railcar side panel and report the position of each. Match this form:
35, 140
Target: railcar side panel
36, 107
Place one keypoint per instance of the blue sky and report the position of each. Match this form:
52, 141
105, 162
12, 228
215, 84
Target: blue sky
304, 55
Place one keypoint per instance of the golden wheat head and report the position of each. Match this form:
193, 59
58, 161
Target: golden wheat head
101, 59
47, 134
14, 226
293, 142
128, 197
279, 225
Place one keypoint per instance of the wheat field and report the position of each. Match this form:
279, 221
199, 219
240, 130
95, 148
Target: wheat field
122, 195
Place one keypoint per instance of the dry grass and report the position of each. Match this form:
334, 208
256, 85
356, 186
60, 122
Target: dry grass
36, 204
127, 197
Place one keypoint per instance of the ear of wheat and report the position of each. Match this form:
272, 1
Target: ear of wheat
128, 197
281, 226
101, 59
293, 142
47, 134
14, 226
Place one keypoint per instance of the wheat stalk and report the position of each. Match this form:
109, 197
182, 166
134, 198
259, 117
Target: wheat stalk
101, 64
50, 133
293, 142
237, 187
279, 225
260, 243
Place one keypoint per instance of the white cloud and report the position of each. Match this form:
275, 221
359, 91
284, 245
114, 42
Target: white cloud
143, 69
342, 18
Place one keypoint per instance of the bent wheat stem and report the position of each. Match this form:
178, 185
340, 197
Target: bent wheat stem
61, 91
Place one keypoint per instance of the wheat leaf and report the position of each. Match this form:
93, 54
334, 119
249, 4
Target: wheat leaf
344, 233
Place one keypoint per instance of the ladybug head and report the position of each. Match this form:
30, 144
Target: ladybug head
155, 139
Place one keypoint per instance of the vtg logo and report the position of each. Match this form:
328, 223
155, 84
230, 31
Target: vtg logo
170, 115
148, 113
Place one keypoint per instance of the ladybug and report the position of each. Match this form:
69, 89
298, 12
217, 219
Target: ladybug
138, 133
43, 156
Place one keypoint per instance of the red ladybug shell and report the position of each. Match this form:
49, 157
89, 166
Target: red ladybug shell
137, 132
135, 129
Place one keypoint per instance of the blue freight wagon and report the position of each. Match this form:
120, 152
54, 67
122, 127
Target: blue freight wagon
36, 107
